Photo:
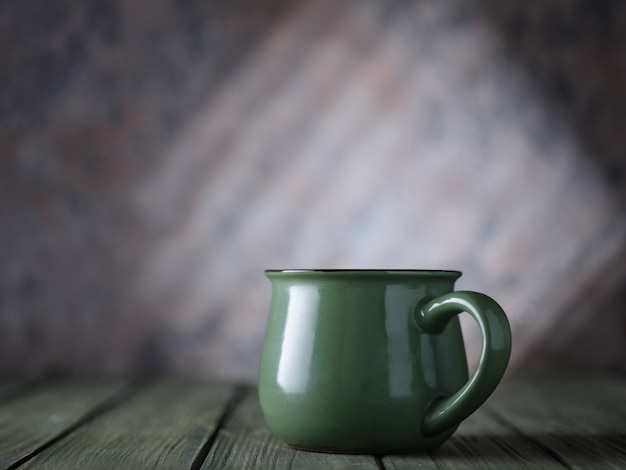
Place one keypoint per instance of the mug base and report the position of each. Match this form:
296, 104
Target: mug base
330, 450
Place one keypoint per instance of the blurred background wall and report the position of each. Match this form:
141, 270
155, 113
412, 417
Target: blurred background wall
156, 156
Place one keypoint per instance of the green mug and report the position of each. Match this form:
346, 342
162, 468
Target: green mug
373, 361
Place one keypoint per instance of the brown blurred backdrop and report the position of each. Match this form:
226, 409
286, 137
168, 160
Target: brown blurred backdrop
156, 156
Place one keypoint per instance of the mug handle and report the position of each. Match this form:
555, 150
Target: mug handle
445, 413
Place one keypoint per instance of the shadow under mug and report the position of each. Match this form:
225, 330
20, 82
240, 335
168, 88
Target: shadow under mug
373, 361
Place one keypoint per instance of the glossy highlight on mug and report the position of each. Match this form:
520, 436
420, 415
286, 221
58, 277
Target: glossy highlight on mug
297, 346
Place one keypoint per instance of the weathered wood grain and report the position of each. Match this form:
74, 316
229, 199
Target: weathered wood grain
246, 442
164, 426
582, 423
30, 423
480, 442
528, 423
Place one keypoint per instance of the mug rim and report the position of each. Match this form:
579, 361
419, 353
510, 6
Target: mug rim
411, 272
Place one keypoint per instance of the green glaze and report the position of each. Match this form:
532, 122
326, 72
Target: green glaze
373, 361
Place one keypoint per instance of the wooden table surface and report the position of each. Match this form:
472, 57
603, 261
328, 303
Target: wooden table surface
166, 423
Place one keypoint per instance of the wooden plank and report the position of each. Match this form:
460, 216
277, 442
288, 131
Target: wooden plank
9, 389
480, 442
581, 422
8, 385
164, 426
245, 442
28, 424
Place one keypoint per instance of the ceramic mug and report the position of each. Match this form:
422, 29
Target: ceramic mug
373, 361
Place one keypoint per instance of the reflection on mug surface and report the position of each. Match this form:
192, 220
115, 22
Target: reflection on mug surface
297, 348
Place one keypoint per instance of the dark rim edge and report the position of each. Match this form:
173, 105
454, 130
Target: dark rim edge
445, 272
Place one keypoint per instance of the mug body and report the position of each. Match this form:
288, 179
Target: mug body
346, 368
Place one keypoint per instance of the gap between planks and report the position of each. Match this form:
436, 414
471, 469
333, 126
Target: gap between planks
230, 417
579, 421
236, 398
125, 391
533, 441
169, 424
